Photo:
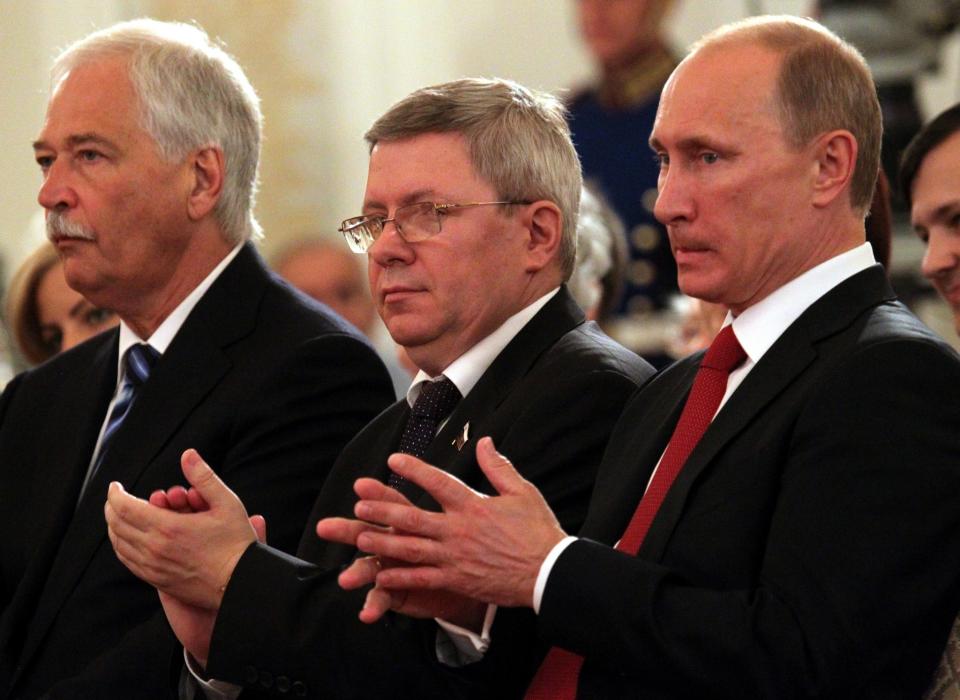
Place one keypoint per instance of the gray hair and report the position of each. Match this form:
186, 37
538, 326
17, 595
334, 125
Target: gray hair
824, 84
518, 139
192, 95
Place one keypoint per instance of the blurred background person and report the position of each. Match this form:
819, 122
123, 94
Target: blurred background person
930, 185
327, 271
597, 280
611, 121
45, 316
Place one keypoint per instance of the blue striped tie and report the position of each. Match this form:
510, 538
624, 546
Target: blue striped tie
137, 362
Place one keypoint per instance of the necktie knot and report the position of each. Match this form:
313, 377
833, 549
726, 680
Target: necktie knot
725, 352
433, 405
138, 361
436, 400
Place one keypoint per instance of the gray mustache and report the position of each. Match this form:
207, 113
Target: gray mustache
59, 226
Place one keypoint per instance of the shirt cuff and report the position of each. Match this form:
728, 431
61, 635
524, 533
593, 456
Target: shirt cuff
546, 567
458, 646
212, 689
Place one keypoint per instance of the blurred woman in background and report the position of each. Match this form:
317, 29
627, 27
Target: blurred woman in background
45, 316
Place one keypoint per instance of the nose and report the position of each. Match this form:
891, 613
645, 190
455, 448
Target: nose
390, 248
942, 254
56, 194
674, 203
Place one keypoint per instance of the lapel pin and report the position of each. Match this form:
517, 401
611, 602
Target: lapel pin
462, 438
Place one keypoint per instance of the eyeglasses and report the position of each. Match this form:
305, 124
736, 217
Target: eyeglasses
414, 222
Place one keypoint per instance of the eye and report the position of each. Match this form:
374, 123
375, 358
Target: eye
922, 234
89, 155
709, 157
97, 316
954, 221
44, 162
661, 159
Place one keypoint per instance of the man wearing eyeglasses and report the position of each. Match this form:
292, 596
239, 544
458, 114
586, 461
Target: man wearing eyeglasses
468, 224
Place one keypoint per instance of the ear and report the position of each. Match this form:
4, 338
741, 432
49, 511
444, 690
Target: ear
207, 173
836, 159
544, 225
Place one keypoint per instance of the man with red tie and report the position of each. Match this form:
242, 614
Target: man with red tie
776, 518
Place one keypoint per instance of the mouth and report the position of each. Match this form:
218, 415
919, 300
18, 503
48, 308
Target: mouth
397, 293
689, 253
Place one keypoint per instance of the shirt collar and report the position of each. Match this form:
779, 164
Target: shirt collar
467, 369
165, 333
759, 326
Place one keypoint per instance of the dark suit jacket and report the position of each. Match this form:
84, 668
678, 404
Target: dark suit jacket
811, 545
549, 401
266, 384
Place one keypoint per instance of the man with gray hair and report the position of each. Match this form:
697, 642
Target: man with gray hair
469, 226
149, 156
776, 518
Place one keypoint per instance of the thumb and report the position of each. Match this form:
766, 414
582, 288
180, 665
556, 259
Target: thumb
259, 524
204, 480
497, 468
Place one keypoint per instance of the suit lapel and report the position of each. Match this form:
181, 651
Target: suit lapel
365, 456
782, 364
635, 452
192, 366
558, 316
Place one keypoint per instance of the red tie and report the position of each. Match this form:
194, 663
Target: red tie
557, 677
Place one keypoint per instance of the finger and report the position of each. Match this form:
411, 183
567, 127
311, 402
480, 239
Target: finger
373, 490
177, 498
361, 572
259, 524
379, 602
404, 548
409, 519
343, 530
413, 578
133, 511
197, 501
499, 471
447, 490
203, 479
159, 499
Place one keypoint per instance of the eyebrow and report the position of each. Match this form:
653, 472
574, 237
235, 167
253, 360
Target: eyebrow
77, 139
942, 212
690, 143
412, 198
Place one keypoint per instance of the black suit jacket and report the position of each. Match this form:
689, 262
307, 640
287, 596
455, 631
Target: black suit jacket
549, 400
811, 545
266, 384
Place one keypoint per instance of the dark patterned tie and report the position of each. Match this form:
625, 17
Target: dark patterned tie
558, 675
138, 361
435, 402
